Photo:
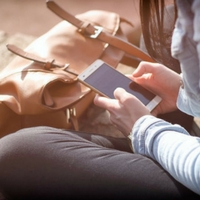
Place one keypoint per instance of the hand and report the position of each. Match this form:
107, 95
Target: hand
160, 80
124, 111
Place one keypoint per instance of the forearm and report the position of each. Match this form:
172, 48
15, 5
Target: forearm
171, 146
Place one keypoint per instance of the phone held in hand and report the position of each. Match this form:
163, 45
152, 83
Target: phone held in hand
104, 79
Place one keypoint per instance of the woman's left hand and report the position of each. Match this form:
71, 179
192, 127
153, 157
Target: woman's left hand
124, 111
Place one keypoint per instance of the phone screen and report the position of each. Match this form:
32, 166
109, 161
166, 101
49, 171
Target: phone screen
106, 80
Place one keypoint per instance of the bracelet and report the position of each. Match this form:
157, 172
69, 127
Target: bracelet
129, 137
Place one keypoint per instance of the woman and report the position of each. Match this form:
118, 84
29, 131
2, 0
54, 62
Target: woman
49, 163
170, 145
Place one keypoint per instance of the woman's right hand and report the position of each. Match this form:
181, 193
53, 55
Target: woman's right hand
160, 80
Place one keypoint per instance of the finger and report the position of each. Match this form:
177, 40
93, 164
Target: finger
143, 80
103, 102
121, 94
143, 68
130, 76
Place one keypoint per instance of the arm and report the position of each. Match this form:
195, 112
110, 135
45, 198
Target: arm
171, 146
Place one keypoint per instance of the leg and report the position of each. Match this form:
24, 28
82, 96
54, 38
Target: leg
48, 163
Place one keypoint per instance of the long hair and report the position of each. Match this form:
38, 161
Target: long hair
157, 21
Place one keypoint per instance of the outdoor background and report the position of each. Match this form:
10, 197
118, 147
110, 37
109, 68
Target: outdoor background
34, 18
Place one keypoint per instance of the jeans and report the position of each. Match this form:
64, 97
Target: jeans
49, 163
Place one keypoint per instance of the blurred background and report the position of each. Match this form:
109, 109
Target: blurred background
22, 21
32, 17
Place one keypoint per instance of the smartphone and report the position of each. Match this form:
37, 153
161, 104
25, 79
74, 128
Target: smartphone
104, 79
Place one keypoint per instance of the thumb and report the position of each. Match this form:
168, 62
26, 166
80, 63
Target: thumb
143, 68
122, 95
119, 93
142, 80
